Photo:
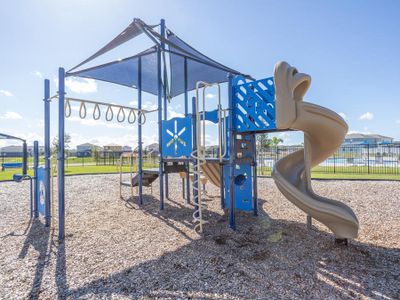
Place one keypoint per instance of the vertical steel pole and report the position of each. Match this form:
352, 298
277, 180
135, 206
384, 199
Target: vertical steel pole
232, 221
47, 149
35, 174
222, 185
221, 174
162, 29
140, 171
24, 158
195, 166
185, 78
161, 167
60, 156
255, 194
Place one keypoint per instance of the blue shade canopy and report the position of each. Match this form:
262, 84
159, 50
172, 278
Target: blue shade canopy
133, 30
178, 46
196, 71
125, 71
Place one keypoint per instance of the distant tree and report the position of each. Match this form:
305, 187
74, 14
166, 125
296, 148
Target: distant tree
95, 154
274, 141
67, 141
262, 141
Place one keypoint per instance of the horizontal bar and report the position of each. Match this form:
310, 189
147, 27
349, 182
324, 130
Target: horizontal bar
106, 104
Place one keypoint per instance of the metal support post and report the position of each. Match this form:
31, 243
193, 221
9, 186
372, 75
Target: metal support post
195, 166
47, 166
140, 160
35, 172
186, 114
161, 166
232, 221
61, 155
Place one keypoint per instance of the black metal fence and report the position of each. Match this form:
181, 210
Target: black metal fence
349, 159
354, 159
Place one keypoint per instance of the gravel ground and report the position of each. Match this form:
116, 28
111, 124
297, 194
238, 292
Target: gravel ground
116, 250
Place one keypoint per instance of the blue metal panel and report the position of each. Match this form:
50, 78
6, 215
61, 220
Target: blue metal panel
242, 184
211, 116
177, 137
41, 190
254, 105
186, 114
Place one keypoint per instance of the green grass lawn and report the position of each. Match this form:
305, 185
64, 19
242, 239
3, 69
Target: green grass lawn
73, 170
318, 172
343, 173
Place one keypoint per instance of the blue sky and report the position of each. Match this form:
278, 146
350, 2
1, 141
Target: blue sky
350, 48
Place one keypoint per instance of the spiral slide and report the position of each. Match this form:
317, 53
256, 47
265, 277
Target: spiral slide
324, 131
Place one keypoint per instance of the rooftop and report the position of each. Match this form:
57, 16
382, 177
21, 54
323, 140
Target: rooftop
366, 135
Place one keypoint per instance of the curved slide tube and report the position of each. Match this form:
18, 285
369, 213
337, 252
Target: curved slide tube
324, 131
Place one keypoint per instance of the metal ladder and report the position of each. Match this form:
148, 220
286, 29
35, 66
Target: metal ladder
199, 153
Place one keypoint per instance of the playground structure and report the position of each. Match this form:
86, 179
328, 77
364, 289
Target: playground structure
13, 165
38, 204
253, 106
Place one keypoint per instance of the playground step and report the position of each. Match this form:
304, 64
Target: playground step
148, 177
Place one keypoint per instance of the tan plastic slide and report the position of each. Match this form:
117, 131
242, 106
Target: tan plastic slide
324, 131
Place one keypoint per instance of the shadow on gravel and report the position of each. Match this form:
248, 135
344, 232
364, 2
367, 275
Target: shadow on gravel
261, 259
174, 211
37, 237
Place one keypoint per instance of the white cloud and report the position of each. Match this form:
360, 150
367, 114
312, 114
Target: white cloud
368, 116
6, 93
364, 131
134, 103
174, 114
343, 115
40, 123
148, 105
210, 96
92, 123
81, 86
11, 115
37, 74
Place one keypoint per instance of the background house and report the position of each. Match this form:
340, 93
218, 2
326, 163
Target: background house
86, 149
16, 151
112, 150
127, 148
366, 139
151, 150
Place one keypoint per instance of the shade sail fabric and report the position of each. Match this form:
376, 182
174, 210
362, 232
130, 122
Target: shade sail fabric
189, 51
133, 30
125, 72
199, 66
196, 71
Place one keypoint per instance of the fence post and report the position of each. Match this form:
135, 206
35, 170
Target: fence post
334, 163
368, 157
